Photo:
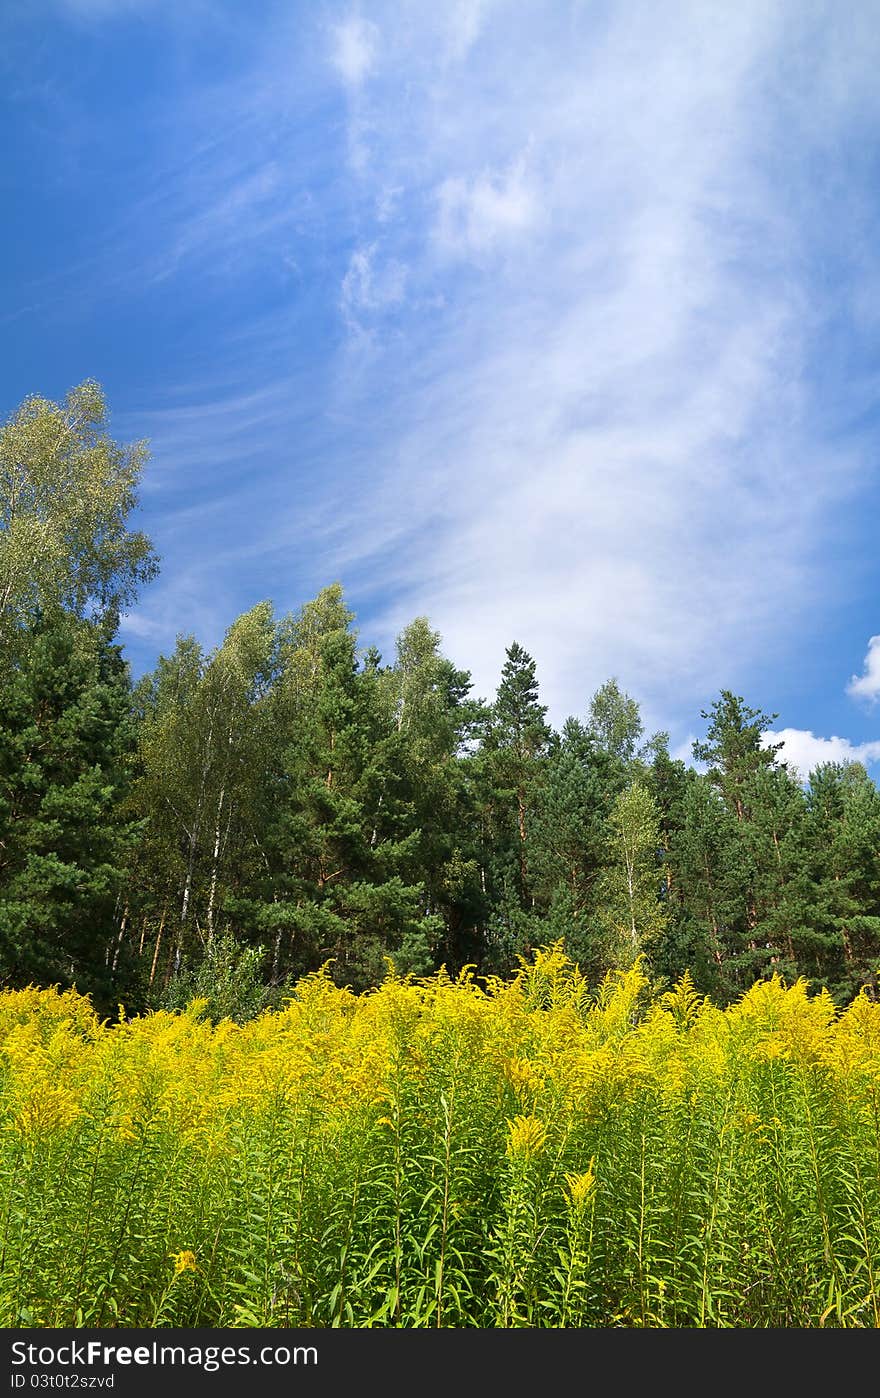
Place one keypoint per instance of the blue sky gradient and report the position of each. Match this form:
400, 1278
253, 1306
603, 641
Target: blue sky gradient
552, 322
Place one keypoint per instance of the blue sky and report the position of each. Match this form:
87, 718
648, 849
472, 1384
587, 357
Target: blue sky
554, 322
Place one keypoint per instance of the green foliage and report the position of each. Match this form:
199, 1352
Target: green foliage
290, 791
733, 747
65, 742
227, 982
66, 490
535, 1154
547, 1152
631, 911
615, 720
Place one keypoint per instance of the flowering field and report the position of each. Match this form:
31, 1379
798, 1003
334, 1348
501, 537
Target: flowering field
535, 1153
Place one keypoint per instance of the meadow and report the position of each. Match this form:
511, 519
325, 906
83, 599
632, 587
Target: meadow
529, 1152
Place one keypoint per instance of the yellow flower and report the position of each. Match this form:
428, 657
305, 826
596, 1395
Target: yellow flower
580, 1187
523, 1076
184, 1261
525, 1136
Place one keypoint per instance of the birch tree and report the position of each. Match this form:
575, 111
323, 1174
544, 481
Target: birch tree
66, 492
632, 911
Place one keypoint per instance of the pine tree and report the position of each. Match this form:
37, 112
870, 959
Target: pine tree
515, 747
733, 747
570, 840
780, 931
709, 906
434, 723
68, 563
65, 745
842, 837
339, 847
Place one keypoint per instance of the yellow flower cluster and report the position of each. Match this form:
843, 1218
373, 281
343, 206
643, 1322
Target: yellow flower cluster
341, 1120
581, 1187
526, 1136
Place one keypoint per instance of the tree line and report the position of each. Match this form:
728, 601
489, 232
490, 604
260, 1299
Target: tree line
242, 815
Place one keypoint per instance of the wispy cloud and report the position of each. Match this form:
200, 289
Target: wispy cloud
354, 49
515, 315
371, 284
466, 19
867, 685
242, 214
607, 426
476, 215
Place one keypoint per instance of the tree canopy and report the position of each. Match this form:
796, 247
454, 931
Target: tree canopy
290, 799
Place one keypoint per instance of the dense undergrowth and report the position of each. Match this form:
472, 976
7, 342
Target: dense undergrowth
437, 1153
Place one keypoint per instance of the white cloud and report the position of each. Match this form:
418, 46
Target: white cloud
355, 46
146, 628
588, 423
803, 751
474, 215
684, 752
371, 284
466, 19
602, 443
867, 685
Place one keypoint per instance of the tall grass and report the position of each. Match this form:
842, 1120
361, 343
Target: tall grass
533, 1153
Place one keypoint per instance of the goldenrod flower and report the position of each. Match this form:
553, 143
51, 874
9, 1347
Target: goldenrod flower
580, 1187
523, 1076
525, 1136
184, 1261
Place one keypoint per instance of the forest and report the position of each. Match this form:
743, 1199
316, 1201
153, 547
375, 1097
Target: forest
292, 800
